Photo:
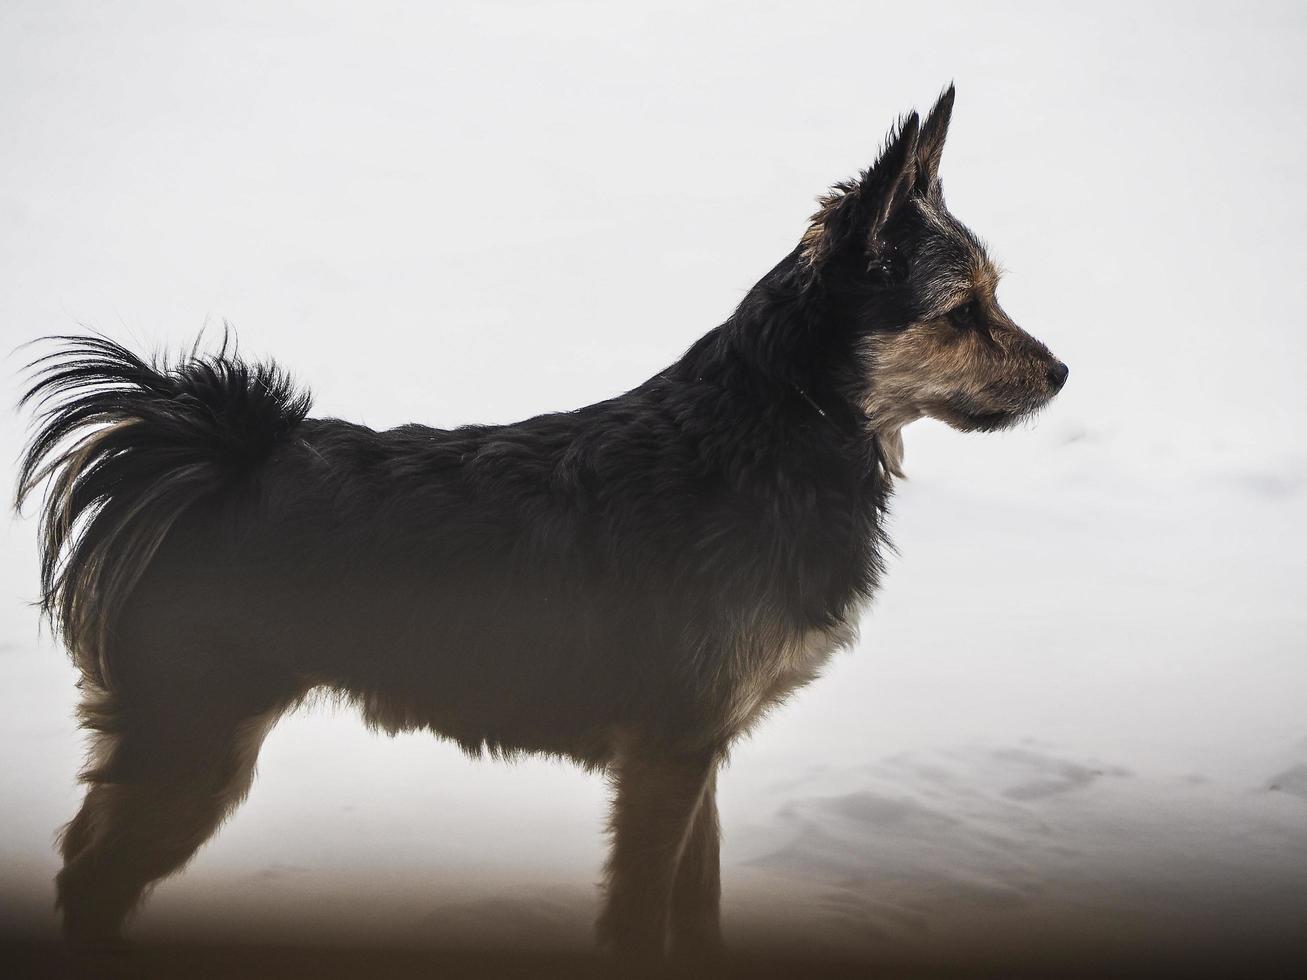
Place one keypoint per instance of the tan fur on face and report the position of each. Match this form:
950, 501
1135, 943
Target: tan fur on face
918, 367
932, 367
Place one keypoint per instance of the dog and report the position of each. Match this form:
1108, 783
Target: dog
630, 585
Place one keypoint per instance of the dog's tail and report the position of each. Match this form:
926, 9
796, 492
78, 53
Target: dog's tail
127, 444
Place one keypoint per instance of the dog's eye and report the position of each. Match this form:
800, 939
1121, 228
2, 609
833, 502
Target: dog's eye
966, 316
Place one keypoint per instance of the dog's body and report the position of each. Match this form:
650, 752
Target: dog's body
628, 585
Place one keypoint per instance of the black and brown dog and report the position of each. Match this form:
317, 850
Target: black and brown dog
629, 585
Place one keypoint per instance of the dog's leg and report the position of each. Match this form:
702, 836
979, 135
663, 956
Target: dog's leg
156, 791
653, 807
696, 896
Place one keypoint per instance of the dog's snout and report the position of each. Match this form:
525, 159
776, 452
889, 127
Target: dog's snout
1057, 375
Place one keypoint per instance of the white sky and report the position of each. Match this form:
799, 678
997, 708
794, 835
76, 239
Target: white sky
476, 211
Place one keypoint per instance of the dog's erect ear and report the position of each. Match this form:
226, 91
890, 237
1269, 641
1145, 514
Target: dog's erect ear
855, 213
889, 182
930, 145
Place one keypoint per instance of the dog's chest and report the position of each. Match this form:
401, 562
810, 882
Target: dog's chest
772, 663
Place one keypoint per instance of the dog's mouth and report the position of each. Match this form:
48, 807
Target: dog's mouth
968, 414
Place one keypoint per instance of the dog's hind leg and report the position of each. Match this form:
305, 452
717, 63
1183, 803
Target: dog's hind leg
696, 895
158, 787
653, 808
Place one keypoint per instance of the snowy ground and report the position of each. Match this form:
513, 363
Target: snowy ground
1077, 718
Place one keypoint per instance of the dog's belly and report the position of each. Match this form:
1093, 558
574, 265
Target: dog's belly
523, 669
500, 729
588, 718
498, 694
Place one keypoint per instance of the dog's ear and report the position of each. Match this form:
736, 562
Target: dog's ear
930, 145
889, 182
855, 213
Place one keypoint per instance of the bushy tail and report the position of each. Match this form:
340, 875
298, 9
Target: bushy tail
127, 445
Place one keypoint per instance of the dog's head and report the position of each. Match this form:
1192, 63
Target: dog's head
919, 290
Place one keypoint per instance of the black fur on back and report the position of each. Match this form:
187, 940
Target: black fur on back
736, 480
129, 445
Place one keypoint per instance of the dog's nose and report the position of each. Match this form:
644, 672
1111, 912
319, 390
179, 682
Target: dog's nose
1057, 375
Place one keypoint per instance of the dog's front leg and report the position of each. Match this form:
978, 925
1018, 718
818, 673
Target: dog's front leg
656, 799
696, 896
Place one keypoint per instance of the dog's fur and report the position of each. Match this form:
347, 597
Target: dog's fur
629, 585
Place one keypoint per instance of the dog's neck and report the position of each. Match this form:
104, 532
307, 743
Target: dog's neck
889, 437
781, 351
890, 443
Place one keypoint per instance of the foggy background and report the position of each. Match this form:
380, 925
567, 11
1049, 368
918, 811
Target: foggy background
1077, 717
